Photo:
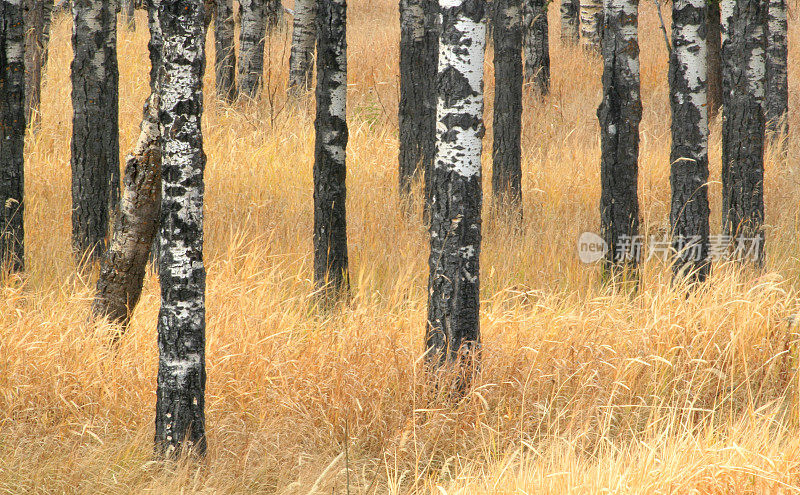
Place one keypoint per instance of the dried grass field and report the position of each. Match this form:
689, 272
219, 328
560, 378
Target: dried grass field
582, 390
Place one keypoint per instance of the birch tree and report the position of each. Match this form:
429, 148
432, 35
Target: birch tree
251, 46
36, 20
95, 127
507, 151
591, 23
419, 54
180, 398
743, 126
570, 21
127, 8
689, 155
713, 61
225, 61
536, 44
453, 325
620, 113
330, 194
12, 133
776, 104
304, 36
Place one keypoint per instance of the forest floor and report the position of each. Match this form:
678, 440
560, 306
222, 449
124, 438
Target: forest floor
582, 389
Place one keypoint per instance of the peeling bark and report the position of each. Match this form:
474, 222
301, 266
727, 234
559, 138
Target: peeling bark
12, 134
591, 24
570, 21
619, 114
536, 44
776, 103
304, 37
251, 46
225, 62
453, 326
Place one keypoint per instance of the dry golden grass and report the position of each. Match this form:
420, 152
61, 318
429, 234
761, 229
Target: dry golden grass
583, 390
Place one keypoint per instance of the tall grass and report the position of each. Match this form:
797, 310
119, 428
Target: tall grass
582, 390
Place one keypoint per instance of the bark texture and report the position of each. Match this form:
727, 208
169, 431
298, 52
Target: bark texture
743, 126
12, 133
225, 62
127, 8
330, 220
180, 403
536, 44
453, 327
95, 128
714, 61
419, 54
570, 21
274, 13
689, 155
591, 24
35, 18
776, 103
619, 114
251, 46
304, 37
507, 150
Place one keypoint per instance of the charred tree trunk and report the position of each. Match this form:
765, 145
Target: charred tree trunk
95, 128
12, 134
536, 44
743, 127
128, 14
180, 402
689, 156
591, 24
330, 220
619, 114
304, 36
507, 150
453, 326
570, 21
225, 62
419, 54
776, 104
714, 63
251, 46
35, 11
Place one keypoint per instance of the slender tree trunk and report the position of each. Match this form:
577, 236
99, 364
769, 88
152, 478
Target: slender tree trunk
570, 21
591, 23
180, 402
155, 47
536, 43
251, 46
304, 36
225, 62
714, 62
128, 14
744, 69
95, 129
453, 325
620, 113
330, 222
776, 104
507, 151
12, 134
689, 156
419, 54
34, 52
274, 13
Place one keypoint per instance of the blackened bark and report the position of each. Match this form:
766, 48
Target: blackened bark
251, 46
47, 9
419, 55
689, 155
453, 326
95, 129
570, 21
156, 43
12, 133
330, 221
180, 403
743, 126
128, 14
713, 59
776, 103
536, 43
304, 37
225, 62
34, 53
591, 24
619, 114
507, 150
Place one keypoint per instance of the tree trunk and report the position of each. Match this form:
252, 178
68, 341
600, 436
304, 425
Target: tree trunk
251, 46
34, 52
507, 151
714, 62
570, 21
304, 36
128, 14
12, 134
225, 62
95, 129
619, 114
536, 45
776, 104
180, 402
155, 47
453, 325
744, 68
591, 23
689, 156
330, 222
274, 14
419, 54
